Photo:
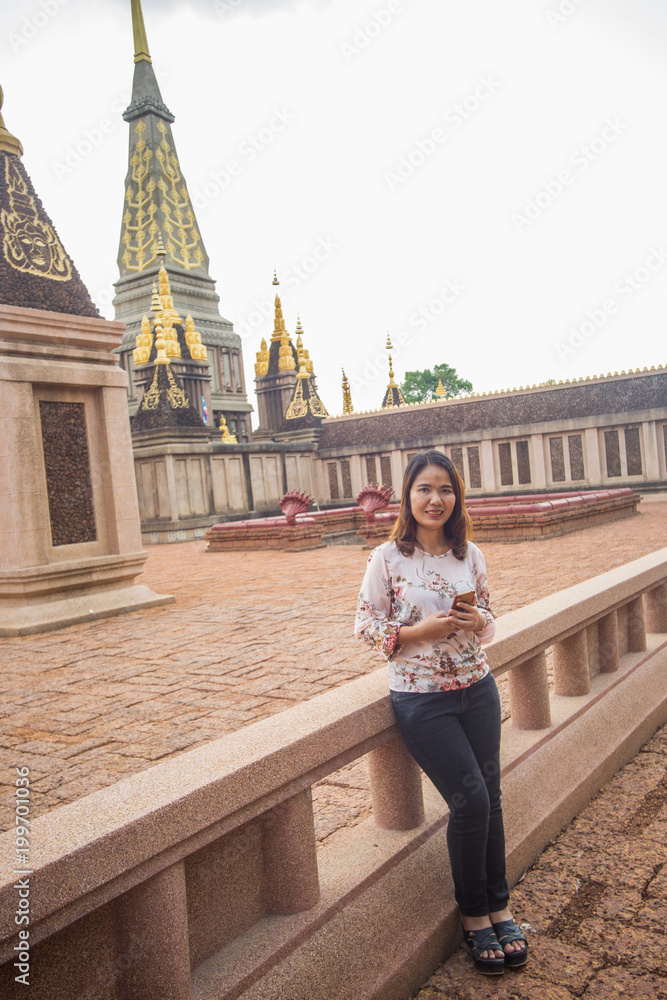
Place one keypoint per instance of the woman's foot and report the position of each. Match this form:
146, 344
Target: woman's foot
480, 924
514, 942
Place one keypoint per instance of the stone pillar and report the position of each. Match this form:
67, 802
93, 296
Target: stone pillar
356, 474
487, 467
636, 626
608, 643
396, 472
592, 450
656, 609
651, 461
154, 950
593, 645
291, 882
396, 787
538, 462
529, 694
571, 676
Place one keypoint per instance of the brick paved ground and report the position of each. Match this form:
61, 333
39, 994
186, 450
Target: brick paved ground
250, 634
596, 902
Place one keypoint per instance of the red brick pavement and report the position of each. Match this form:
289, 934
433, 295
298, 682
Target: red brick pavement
250, 634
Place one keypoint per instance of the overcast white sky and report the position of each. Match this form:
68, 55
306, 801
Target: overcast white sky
484, 180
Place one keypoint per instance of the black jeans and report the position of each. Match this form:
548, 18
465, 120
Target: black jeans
455, 738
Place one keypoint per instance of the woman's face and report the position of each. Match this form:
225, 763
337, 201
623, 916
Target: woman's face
432, 498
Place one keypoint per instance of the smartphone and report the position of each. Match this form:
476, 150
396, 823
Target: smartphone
467, 598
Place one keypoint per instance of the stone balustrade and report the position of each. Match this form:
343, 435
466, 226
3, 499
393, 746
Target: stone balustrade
200, 878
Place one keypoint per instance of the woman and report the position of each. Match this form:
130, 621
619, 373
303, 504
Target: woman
444, 695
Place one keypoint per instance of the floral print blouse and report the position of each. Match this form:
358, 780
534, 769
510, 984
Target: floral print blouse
402, 590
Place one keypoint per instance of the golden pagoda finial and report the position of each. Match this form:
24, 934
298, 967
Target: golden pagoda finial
262, 360
161, 252
388, 346
440, 391
8, 142
160, 346
392, 384
275, 278
298, 332
140, 40
347, 395
279, 322
156, 305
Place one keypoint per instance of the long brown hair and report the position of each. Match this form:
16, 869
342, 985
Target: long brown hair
457, 528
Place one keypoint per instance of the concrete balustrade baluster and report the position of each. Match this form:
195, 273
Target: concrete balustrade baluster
636, 626
153, 926
571, 674
291, 882
656, 609
529, 694
608, 643
396, 787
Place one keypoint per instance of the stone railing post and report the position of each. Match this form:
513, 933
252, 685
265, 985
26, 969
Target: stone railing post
636, 626
396, 787
291, 882
154, 949
529, 694
656, 609
571, 674
608, 643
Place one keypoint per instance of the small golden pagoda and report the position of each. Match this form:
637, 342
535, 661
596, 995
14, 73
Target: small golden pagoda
306, 409
393, 396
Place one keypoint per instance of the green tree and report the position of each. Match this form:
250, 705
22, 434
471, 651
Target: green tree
419, 387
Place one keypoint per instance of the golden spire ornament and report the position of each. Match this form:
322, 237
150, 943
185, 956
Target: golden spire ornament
139, 31
441, 392
8, 142
347, 395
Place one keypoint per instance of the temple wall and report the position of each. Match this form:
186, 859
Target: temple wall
602, 433
607, 432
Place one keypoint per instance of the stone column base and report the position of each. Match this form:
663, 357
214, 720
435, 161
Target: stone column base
42, 598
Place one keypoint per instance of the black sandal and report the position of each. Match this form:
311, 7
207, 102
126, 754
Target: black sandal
484, 940
508, 931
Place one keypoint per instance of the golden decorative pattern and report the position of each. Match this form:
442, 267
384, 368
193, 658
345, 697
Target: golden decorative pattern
298, 406
139, 225
30, 244
347, 395
176, 395
152, 397
179, 218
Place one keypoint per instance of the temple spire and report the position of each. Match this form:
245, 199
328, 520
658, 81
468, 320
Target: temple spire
140, 40
8, 142
393, 396
347, 395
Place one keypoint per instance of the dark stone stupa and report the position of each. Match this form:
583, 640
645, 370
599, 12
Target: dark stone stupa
35, 270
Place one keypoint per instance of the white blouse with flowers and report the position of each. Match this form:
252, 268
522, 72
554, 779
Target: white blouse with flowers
402, 590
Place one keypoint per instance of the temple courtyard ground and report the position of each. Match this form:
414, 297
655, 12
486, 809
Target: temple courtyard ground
254, 633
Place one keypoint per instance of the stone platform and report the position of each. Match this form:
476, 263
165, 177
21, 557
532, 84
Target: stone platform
524, 517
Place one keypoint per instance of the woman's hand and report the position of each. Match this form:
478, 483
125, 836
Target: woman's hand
468, 618
439, 626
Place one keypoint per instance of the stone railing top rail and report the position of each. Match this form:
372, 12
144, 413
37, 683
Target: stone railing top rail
92, 850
